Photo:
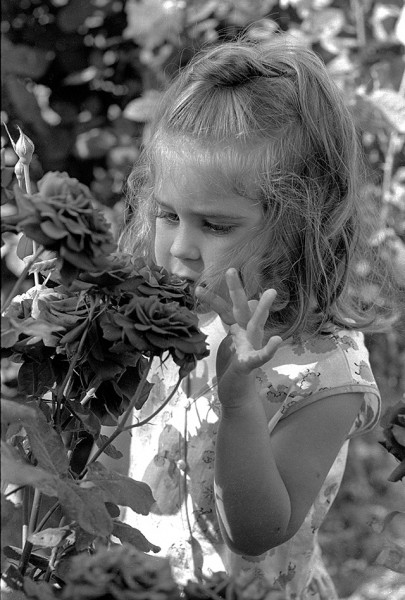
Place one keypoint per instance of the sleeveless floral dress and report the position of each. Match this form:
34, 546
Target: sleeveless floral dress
175, 454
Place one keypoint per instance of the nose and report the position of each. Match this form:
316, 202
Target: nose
185, 244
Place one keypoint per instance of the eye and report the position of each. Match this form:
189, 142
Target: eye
169, 217
218, 228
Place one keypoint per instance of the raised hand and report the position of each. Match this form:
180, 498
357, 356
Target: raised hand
245, 348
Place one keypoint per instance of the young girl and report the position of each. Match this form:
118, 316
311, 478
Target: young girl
248, 189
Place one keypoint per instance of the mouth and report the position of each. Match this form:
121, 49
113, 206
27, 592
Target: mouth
188, 280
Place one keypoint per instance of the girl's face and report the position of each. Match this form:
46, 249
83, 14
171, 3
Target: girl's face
197, 221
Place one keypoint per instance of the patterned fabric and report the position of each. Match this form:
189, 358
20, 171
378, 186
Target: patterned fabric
175, 454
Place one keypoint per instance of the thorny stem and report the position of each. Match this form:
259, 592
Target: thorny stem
21, 278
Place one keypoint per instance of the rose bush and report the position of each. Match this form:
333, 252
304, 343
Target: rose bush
83, 339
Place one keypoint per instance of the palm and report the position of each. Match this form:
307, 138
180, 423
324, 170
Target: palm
243, 350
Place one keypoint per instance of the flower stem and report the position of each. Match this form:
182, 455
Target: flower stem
121, 425
46, 517
26, 502
72, 365
21, 278
29, 192
34, 511
157, 411
25, 556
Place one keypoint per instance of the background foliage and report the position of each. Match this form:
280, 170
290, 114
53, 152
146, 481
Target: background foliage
82, 77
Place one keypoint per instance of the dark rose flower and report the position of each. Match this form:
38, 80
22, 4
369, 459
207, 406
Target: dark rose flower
25, 317
66, 311
128, 275
52, 315
156, 281
59, 185
61, 218
156, 327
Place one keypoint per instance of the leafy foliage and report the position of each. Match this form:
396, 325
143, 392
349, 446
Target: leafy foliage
85, 347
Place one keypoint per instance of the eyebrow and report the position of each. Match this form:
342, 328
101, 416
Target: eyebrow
206, 214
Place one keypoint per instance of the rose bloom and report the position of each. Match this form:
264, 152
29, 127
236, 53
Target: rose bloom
61, 218
155, 327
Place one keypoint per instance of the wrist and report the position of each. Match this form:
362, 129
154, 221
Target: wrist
241, 407
237, 390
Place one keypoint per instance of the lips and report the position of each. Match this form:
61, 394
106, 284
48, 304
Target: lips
189, 280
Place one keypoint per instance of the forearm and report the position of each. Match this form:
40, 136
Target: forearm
252, 500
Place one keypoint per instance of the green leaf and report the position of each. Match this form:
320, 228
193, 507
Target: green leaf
133, 536
86, 505
15, 411
25, 247
34, 379
16, 470
120, 489
49, 538
398, 431
47, 445
111, 450
9, 334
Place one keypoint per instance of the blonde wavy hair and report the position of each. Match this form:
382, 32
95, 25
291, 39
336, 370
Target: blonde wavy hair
267, 120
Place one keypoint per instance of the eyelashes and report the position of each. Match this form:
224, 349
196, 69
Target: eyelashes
215, 228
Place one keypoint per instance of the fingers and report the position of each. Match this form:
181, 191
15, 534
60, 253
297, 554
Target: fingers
241, 310
258, 358
261, 313
212, 301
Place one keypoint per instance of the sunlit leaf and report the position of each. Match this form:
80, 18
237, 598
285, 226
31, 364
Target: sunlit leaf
133, 536
49, 538
120, 489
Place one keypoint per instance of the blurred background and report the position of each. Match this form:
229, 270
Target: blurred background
82, 78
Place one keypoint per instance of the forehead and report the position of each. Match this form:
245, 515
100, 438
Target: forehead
222, 169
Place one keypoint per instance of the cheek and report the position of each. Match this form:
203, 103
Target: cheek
162, 245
